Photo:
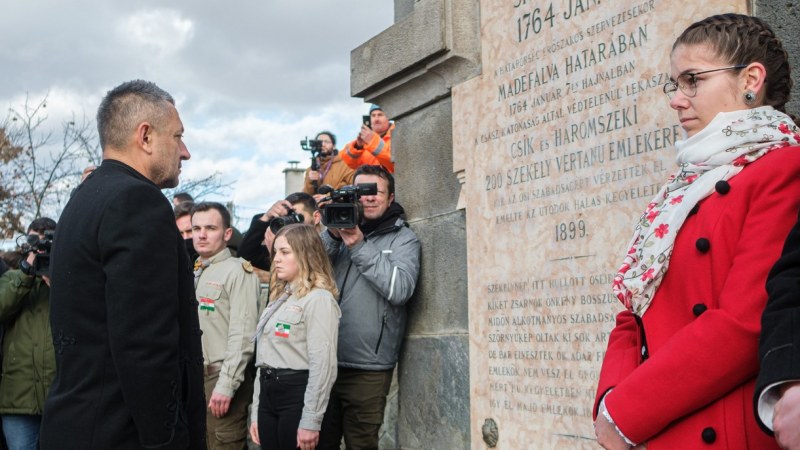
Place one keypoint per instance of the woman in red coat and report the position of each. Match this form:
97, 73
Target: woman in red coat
681, 362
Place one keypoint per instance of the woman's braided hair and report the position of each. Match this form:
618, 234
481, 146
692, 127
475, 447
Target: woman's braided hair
743, 40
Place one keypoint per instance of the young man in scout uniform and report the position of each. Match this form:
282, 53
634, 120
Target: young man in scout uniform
227, 292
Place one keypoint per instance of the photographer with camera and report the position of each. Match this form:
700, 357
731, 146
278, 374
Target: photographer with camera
376, 265
298, 207
29, 361
327, 170
373, 146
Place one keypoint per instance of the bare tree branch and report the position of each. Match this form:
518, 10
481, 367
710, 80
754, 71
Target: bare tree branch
39, 174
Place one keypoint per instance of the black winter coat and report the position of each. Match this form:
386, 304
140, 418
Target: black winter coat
779, 346
124, 320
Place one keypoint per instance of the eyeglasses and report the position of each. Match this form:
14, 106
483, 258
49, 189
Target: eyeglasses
687, 82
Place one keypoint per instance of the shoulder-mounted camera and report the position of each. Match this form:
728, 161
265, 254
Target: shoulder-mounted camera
345, 210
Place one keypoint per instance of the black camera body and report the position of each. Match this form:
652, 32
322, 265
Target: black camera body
311, 145
315, 147
41, 247
279, 222
345, 211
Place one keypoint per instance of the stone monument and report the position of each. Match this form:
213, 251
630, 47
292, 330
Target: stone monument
459, 77
569, 136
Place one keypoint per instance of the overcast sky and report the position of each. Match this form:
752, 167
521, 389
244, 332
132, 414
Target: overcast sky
251, 78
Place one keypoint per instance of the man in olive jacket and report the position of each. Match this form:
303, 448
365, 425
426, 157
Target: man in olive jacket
29, 364
122, 308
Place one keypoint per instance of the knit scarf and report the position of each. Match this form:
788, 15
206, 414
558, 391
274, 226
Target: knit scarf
718, 152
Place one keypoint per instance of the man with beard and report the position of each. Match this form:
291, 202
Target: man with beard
129, 363
332, 171
373, 146
376, 265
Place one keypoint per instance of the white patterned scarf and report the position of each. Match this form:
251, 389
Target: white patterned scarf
718, 152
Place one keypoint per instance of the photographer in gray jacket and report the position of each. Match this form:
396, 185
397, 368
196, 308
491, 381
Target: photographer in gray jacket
376, 265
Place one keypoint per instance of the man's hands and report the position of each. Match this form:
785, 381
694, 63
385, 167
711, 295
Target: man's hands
219, 404
350, 236
364, 136
786, 417
280, 208
31, 257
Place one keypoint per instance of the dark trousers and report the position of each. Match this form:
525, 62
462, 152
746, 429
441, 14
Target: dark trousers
280, 406
355, 410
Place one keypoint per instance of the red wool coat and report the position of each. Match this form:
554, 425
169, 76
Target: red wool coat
695, 389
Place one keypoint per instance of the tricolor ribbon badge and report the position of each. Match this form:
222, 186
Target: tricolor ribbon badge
207, 304
282, 329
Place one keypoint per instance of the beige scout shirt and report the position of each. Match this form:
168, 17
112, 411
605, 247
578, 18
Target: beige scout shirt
302, 335
228, 310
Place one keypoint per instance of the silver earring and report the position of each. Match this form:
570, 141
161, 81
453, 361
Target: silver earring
749, 97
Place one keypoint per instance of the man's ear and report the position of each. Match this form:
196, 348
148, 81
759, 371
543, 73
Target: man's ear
144, 137
391, 198
228, 234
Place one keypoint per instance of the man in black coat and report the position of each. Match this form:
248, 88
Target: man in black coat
123, 310
777, 392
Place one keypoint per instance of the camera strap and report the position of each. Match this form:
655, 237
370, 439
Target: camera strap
322, 173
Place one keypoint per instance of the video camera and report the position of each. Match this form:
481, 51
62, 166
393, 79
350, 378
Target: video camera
311, 145
41, 246
279, 222
315, 147
345, 211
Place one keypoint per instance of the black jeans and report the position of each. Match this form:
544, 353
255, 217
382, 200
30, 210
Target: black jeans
280, 406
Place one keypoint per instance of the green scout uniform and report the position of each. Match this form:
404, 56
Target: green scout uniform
227, 292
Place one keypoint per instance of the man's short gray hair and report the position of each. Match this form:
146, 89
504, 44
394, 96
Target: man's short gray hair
126, 106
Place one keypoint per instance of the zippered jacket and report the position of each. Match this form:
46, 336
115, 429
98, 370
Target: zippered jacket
378, 151
375, 278
29, 362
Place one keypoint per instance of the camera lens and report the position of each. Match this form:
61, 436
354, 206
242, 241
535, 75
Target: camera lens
343, 216
276, 224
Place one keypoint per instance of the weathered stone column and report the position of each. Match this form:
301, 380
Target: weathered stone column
409, 70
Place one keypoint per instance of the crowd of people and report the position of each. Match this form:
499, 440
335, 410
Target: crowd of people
133, 323
151, 329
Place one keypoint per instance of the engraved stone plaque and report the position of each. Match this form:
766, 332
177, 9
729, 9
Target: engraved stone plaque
564, 139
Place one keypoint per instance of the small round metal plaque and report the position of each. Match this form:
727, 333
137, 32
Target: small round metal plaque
490, 432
